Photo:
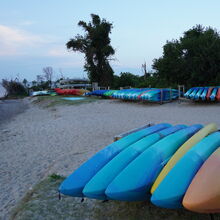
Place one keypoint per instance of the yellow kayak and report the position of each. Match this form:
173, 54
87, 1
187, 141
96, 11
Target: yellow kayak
208, 129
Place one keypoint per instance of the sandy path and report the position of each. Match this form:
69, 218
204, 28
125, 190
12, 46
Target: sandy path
42, 141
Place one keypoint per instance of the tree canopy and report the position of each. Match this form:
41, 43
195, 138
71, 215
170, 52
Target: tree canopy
127, 79
192, 60
95, 45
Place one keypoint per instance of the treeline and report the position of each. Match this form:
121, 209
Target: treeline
126, 79
191, 60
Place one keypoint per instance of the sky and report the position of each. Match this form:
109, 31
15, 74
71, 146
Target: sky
33, 34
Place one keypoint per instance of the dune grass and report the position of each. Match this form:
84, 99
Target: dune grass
42, 203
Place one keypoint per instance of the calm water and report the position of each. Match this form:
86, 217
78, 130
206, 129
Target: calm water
2, 91
73, 98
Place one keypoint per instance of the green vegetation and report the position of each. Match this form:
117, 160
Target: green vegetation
14, 88
193, 60
95, 44
42, 203
128, 79
51, 101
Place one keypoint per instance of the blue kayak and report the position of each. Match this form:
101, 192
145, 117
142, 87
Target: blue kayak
186, 95
135, 181
171, 190
198, 94
193, 93
74, 184
213, 94
204, 93
96, 187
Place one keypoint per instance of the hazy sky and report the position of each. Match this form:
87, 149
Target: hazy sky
33, 33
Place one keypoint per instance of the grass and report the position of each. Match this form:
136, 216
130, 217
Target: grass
51, 101
42, 203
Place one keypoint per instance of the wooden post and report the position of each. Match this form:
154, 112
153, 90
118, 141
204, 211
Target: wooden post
181, 87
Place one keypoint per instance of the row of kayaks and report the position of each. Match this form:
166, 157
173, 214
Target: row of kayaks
144, 94
77, 92
41, 93
203, 93
58, 91
173, 166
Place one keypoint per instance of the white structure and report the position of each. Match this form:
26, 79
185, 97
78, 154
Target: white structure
76, 83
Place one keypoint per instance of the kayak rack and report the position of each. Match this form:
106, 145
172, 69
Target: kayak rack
161, 101
117, 137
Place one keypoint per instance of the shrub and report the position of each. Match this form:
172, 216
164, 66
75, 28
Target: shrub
14, 88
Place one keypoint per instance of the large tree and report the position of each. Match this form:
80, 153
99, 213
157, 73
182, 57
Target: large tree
192, 60
95, 44
48, 74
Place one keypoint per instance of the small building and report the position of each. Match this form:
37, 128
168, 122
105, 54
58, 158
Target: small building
75, 83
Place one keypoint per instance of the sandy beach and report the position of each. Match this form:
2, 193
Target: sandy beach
41, 141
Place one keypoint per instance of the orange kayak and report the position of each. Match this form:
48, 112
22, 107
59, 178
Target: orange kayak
209, 93
218, 95
203, 194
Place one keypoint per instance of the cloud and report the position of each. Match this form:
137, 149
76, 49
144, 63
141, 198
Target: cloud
26, 23
58, 52
15, 41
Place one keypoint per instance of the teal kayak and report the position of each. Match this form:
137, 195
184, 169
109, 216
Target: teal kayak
96, 187
74, 184
134, 182
170, 192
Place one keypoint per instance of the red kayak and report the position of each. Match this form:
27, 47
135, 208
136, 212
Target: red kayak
209, 93
70, 91
218, 95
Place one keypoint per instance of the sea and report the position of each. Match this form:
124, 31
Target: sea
2, 91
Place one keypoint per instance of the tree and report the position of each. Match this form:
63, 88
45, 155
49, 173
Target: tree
14, 88
95, 45
192, 60
34, 83
126, 79
144, 70
25, 82
48, 71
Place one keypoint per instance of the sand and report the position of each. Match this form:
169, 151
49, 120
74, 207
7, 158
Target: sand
41, 141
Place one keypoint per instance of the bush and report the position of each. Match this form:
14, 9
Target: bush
14, 88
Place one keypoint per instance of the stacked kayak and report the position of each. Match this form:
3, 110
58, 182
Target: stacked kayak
169, 165
77, 92
40, 93
203, 93
97, 92
159, 94
109, 93
197, 197
143, 94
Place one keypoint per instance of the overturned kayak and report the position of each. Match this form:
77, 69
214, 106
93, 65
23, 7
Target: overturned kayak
96, 187
170, 192
181, 152
203, 194
74, 184
135, 181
